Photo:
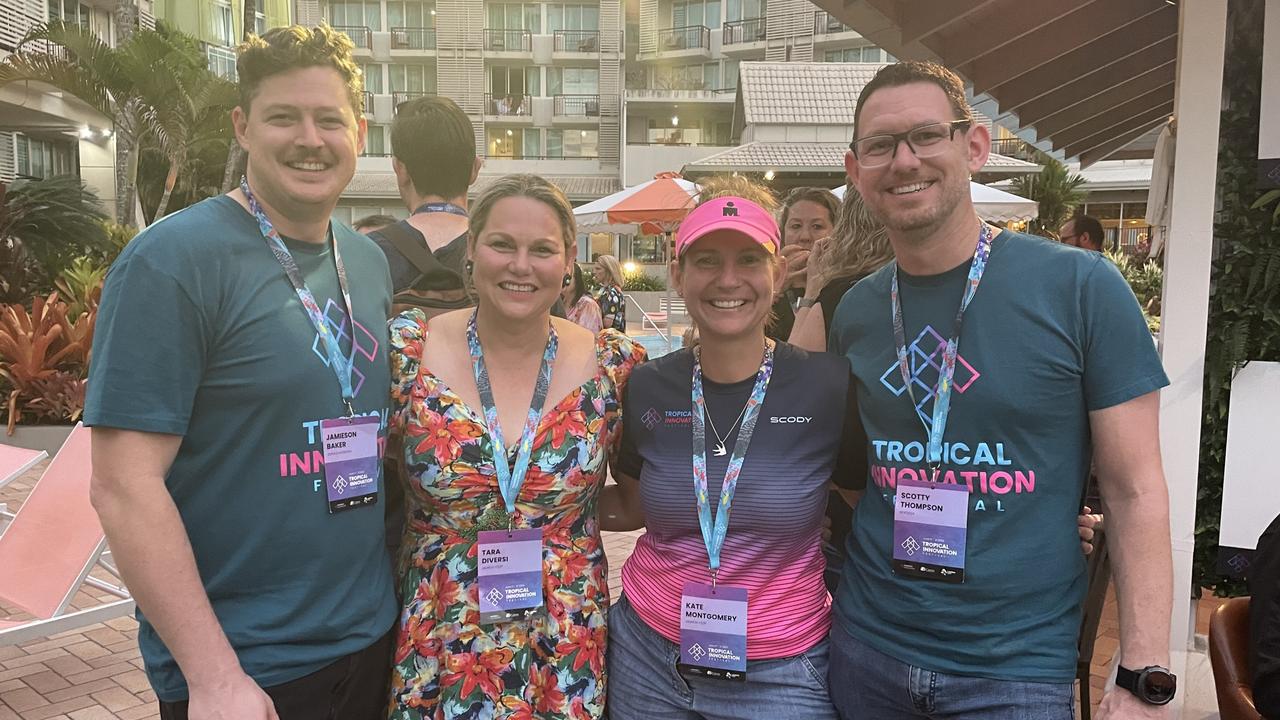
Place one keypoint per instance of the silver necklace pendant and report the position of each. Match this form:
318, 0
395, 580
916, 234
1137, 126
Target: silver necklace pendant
719, 450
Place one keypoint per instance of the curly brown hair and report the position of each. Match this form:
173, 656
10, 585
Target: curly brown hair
283, 49
741, 186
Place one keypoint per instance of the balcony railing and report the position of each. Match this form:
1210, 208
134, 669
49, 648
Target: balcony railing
222, 61
742, 31
400, 97
577, 105
577, 41
526, 156
507, 105
1014, 148
508, 40
368, 102
413, 38
691, 37
824, 23
361, 35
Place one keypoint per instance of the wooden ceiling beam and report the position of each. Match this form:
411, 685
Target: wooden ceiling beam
1094, 31
1126, 128
1099, 75
1076, 99
1114, 149
1002, 25
1068, 127
922, 20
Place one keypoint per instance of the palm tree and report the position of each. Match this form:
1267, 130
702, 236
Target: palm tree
44, 225
235, 154
130, 84
1056, 188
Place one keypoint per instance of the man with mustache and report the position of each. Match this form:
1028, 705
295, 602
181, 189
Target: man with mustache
238, 398
991, 366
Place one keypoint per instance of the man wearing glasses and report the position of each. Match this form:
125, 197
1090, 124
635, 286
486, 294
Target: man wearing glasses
990, 367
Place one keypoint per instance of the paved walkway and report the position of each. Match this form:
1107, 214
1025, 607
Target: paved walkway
95, 673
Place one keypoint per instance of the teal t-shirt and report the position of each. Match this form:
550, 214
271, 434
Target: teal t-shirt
201, 335
1053, 333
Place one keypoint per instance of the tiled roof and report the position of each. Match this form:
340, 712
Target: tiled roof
803, 93
812, 156
575, 187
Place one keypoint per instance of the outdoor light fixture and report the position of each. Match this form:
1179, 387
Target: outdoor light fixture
509, 133
768, 175
675, 121
106, 133
629, 267
86, 133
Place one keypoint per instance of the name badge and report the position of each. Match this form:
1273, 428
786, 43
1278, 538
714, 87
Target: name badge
351, 463
930, 522
509, 564
713, 631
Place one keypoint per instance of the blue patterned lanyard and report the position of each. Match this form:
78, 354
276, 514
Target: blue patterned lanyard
338, 362
510, 480
445, 207
942, 397
713, 534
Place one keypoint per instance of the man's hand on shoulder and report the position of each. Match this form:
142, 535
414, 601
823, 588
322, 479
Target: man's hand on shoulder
1120, 704
235, 697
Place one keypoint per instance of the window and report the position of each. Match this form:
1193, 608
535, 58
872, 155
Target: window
690, 130
572, 143
259, 23
411, 14
515, 16
372, 78
532, 142
71, 12
513, 80
745, 9
685, 13
223, 26
730, 75
222, 61
504, 143
688, 77
573, 17
412, 78
43, 158
866, 54
355, 13
573, 81
375, 143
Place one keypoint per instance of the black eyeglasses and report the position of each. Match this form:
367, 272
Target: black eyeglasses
925, 141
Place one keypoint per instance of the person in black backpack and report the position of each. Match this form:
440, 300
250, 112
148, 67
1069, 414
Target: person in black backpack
434, 147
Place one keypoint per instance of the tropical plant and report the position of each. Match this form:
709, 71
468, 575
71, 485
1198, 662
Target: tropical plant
34, 346
1146, 279
1056, 189
148, 85
44, 226
642, 282
1244, 300
81, 285
235, 164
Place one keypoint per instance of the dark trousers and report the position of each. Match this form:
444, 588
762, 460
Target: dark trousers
352, 688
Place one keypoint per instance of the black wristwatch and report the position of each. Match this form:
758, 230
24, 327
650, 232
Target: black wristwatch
1153, 684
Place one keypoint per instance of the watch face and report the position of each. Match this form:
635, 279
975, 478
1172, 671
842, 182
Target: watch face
1158, 686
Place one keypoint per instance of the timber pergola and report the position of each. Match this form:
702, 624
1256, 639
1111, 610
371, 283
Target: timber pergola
1085, 78
1093, 80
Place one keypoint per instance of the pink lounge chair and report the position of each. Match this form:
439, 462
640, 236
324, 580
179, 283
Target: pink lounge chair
48, 549
15, 460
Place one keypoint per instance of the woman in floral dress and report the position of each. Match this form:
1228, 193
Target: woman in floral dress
549, 664
613, 305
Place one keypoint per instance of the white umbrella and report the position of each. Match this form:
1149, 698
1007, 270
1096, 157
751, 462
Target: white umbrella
653, 206
992, 204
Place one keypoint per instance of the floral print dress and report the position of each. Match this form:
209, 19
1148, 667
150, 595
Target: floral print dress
550, 665
613, 307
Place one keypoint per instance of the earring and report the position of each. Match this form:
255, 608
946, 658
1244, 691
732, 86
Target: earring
468, 267
568, 279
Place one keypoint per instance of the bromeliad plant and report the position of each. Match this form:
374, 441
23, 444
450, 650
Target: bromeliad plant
44, 355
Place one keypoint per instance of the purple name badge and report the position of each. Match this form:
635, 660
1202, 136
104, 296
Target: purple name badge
930, 522
509, 563
351, 463
713, 631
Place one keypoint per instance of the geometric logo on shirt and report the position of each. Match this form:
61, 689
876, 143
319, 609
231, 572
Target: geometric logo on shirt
339, 483
924, 359
494, 597
364, 345
651, 418
910, 545
696, 652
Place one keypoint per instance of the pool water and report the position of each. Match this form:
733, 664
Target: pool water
656, 346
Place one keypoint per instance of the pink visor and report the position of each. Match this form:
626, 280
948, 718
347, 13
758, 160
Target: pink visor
731, 214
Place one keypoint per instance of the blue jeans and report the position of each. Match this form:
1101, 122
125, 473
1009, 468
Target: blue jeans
868, 685
645, 685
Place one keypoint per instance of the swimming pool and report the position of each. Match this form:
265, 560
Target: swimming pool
656, 346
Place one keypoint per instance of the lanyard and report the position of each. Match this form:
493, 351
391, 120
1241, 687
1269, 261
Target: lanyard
713, 534
942, 397
339, 363
446, 207
510, 480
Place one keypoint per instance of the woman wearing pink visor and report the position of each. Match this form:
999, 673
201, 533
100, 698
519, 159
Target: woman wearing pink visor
726, 584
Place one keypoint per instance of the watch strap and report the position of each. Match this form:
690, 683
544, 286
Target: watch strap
1127, 679
807, 302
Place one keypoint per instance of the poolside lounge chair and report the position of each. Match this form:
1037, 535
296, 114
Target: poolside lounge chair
15, 460
49, 547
